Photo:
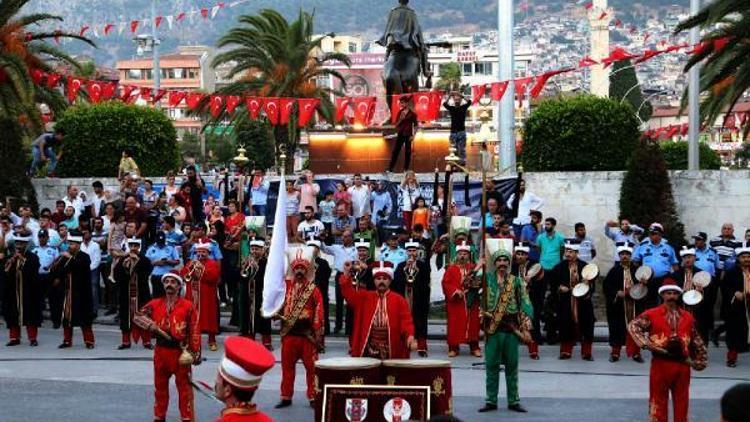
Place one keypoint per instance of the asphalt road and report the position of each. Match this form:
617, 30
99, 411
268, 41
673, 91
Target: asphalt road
104, 384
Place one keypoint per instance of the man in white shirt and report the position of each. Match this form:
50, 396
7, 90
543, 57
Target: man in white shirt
527, 202
99, 199
341, 255
46, 224
310, 227
360, 197
90, 247
73, 199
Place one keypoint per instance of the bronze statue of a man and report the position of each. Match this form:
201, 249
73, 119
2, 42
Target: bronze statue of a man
406, 54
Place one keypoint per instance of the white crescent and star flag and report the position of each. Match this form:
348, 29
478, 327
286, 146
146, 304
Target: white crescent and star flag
274, 284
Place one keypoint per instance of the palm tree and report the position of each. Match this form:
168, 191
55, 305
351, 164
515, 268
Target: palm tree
724, 52
276, 58
23, 48
449, 77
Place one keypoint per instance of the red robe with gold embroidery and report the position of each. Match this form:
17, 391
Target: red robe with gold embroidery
243, 415
365, 303
208, 308
462, 317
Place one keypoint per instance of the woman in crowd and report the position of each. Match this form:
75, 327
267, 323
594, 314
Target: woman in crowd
409, 191
292, 210
342, 196
176, 210
171, 188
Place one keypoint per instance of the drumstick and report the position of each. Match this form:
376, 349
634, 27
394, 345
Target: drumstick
202, 387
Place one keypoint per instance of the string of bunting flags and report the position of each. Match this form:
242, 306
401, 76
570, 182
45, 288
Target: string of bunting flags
111, 28
350, 110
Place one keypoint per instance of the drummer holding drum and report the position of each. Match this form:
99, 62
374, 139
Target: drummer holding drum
531, 272
624, 290
573, 281
694, 283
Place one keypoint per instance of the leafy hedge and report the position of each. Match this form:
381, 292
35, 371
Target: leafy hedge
676, 156
96, 135
579, 134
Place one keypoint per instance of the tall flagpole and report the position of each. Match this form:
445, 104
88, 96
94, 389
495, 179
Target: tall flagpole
694, 97
274, 287
506, 109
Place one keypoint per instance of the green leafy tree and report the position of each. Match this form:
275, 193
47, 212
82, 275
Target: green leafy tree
222, 148
742, 157
723, 56
23, 48
449, 77
676, 153
96, 135
190, 146
623, 84
257, 137
579, 134
646, 192
277, 58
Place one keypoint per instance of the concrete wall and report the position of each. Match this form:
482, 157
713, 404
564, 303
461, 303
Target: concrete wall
705, 200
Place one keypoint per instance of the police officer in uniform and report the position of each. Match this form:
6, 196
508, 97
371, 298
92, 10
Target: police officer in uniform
660, 256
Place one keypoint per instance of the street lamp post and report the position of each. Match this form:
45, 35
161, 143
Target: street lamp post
149, 43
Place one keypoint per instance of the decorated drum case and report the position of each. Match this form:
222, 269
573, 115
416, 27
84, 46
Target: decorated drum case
344, 371
435, 374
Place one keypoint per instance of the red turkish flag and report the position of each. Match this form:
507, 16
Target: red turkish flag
175, 98
422, 106
477, 92
587, 61
521, 85
134, 25
180, 17
157, 21
648, 55
589, 6
108, 90
74, 84
158, 96
194, 99
307, 107
729, 120
364, 109
685, 129
83, 30
204, 13
720, 43
53, 79
673, 130
618, 23
37, 75
145, 94
342, 103
498, 90
217, 105
108, 27
542, 79
436, 101
272, 108
94, 89
133, 95
603, 15
286, 106
254, 105
618, 54
232, 102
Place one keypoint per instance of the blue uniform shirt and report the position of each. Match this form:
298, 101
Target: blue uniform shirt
529, 234
394, 256
47, 255
659, 257
175, 238
706, 260
156, 253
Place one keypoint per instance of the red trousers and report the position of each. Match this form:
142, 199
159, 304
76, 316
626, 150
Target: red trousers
631, 349
136, 333
533, 348
166, 364
732, 354
31, 332
294, 348
88, 335
566, 347
669, 376
422, 344
472, 329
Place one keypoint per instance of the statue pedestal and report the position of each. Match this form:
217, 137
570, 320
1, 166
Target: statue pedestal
370, 152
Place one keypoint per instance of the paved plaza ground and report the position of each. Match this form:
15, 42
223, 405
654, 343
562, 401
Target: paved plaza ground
104, 384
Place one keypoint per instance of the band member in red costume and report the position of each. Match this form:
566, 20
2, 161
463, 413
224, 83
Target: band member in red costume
383, 325
174, 322
201, 280
461, 289
240, 372
671, 334
301, 324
